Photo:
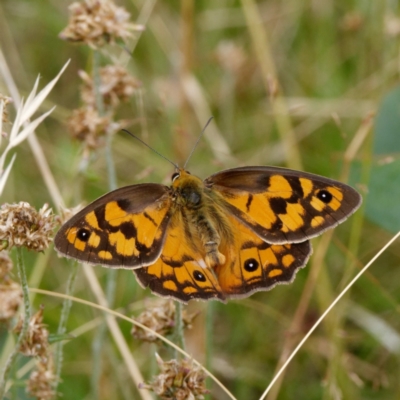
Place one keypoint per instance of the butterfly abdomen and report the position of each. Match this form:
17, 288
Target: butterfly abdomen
205, 221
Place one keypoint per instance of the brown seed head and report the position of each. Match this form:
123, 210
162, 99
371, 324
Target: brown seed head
41, 381
116, 85
86, 125
35, 342
178, 380
22, 225
160, 319
10, 291
97, 22
6, 100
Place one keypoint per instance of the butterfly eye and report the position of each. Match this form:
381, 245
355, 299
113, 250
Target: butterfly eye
251, 265
324, 196
175, 175
83, 235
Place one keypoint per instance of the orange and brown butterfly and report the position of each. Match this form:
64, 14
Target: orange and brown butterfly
239, 231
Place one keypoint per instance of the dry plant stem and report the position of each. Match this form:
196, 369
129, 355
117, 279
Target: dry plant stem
322, 317
58, 357
97, 82
301, 310
115, 330
263, 52
98, 341
179, 335
335, 367
185, 68
111, 313
322, 248
25, 323
209, 337
194, 94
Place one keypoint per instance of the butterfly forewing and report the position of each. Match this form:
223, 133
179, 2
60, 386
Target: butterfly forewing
282, 205
125, 228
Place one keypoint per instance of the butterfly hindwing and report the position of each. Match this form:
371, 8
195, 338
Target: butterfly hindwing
253, 264
180, 271
281, 205
125, 228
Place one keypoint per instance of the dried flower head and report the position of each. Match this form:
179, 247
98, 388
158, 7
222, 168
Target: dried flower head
116, 85
10, 291
6, 100
231, 56
22, 225
160, 319
86, 125
35, 342
6, 265
41, 381
178, 380
10, 300
97, 22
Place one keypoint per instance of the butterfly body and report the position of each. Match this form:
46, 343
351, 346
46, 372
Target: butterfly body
237, 232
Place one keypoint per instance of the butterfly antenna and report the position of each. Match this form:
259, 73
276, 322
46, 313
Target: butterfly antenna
197, 142
155, 151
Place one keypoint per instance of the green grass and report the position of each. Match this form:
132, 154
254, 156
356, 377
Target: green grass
332, 73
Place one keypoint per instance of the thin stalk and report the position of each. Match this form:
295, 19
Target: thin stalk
98, 341
209, 340
25, 323
59, 356
179, 336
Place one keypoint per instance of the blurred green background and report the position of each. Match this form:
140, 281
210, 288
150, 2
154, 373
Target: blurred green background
336, 113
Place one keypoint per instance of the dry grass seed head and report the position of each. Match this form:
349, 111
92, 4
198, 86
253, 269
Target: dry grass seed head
6, 100
35, 342
41, 381
86, 125
10, 291
178, 380
22, 225
6, 266
160, 319
98, 22
116, 85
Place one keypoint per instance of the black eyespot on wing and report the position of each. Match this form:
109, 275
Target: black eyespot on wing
83, 234
251, 265
324, 196
199, 276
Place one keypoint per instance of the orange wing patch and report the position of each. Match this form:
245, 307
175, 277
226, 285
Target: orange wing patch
181, 271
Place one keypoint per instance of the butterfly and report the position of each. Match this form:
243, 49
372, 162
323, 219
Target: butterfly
239, 231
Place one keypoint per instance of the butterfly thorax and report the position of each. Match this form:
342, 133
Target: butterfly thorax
204, 220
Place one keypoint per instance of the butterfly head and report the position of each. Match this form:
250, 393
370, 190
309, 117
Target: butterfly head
188, 188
